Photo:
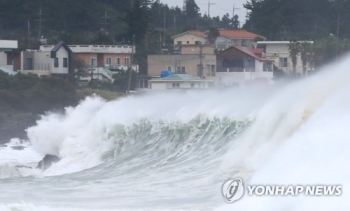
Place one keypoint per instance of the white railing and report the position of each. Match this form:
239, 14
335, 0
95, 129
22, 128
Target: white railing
123, 67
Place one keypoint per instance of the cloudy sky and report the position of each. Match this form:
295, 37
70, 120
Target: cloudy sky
220, 7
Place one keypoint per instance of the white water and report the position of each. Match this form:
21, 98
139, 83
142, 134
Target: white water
174, 151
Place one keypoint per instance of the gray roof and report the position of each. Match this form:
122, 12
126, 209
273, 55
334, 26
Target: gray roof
57, 47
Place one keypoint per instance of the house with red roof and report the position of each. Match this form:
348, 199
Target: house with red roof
233, 37
238, 66
191, 37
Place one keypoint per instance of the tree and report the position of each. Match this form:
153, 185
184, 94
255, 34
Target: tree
294, 51
226, 21
213, 34
235, 22
192, 10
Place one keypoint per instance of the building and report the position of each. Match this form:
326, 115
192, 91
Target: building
241, 66
232, 37
192, 37
196, 60
118, 56
180, 82
56, 61
9, 56
278, 51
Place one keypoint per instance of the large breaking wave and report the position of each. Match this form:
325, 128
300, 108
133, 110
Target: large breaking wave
174, 151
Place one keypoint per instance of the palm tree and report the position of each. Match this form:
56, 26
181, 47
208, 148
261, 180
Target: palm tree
305, 50
213, 34
294, 51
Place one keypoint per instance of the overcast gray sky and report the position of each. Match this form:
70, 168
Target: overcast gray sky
220, 7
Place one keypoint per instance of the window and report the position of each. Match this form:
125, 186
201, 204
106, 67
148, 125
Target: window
127, 61
198, 42
65, 62
117, 61
212, 70
188, 42
183, 70
169, 68
56, 62
109, 61
93, 62
28, 64
192, 85
283, 62
176, 85
179, 42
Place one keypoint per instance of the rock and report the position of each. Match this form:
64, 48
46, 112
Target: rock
47, 161
18, 147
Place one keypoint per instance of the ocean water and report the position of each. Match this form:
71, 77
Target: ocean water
174, 151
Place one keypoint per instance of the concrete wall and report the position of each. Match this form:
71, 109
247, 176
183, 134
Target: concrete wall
157, 63
164, 85
42, 61
240, 79
191, 39
3, 58
196, 49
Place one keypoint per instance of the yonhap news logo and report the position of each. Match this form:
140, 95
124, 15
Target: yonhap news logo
234, 189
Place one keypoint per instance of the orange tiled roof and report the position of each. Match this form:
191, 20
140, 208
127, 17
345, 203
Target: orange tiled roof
231, 33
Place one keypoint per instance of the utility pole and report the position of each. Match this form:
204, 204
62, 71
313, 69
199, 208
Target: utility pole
184, 5
104, 23
131, 62
40, 22
201, 61
164, 27
233, 10
209, 4
174, 22
336, 55
29, 33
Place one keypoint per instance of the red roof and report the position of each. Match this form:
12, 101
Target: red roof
231, 33
258, 51
194, 32
250, 52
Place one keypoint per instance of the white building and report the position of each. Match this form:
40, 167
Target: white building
278, 51
180, 82
55, 61
240, 66
9, 56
